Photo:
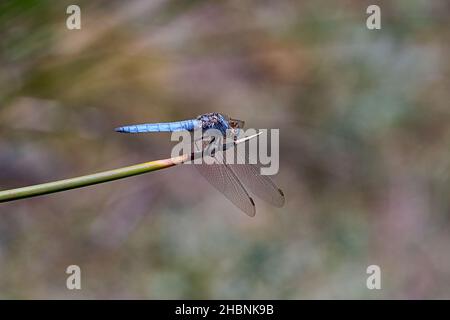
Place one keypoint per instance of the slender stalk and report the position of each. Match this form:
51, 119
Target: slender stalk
105, 176
87, 180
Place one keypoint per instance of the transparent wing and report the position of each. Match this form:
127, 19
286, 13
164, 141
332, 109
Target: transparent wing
222, 177
250, 175
262, 186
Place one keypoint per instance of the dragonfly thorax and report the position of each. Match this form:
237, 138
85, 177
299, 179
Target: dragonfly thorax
220, 122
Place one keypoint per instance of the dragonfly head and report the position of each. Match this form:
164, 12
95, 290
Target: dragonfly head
235, 125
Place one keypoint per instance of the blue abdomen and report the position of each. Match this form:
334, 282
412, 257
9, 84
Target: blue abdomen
187, 125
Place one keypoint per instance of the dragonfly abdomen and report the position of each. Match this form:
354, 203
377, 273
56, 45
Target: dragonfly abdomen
187, 125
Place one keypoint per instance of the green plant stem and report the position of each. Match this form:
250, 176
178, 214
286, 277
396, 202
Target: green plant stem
105, 176
87, 180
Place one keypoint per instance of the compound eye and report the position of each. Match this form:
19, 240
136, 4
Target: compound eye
234, 123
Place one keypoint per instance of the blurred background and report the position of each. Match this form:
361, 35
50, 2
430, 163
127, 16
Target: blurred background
364, 129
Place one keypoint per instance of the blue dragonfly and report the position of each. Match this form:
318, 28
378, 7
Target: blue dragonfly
230, 179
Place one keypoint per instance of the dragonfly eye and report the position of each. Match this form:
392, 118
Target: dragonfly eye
236, 124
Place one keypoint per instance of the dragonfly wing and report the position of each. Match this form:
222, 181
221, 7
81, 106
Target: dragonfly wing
222, 177
262, 186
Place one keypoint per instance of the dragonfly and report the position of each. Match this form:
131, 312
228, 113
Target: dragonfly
231, 179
